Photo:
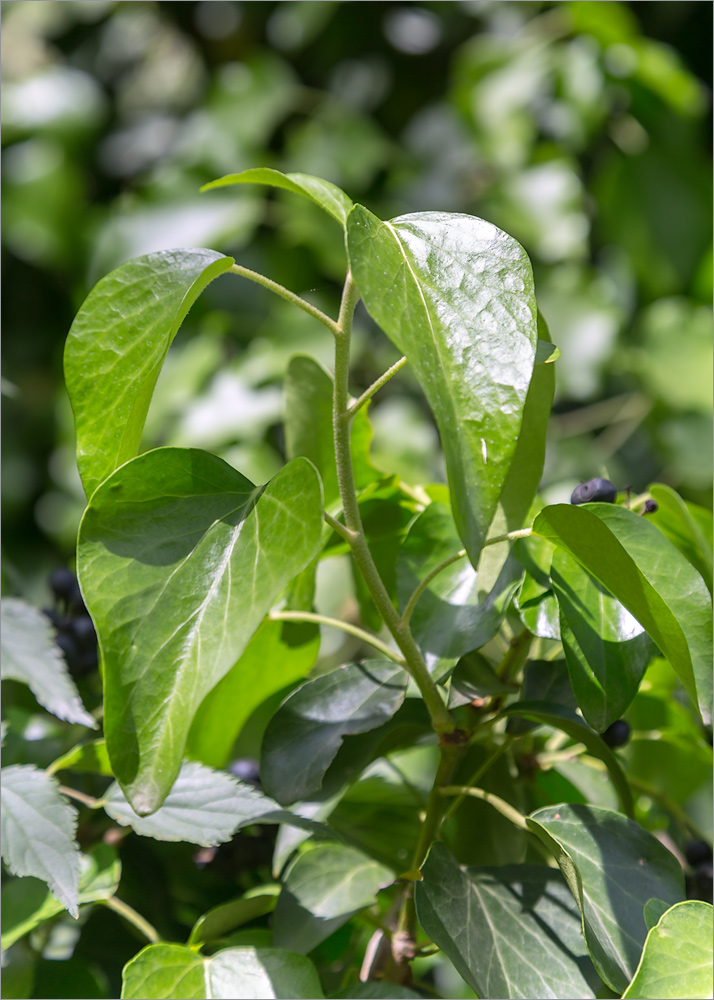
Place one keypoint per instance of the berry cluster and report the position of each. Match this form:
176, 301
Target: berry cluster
75, 631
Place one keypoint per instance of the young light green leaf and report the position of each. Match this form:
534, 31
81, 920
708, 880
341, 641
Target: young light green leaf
325, 194
678, 522
289, 648
323, 888
91, 758
179, 558
166, 971
117, 345
649, 576
511, 931
204, 807
676, 962
305, 734
38, 831
228, 916
30, 655
606, 648
612, 866
455, 294
26, 903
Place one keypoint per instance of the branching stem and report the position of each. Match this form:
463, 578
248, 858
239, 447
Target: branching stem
286, 294
505, 808
375, 387
360, 633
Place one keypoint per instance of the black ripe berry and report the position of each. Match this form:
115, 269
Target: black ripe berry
617, 734
595, 490
63, 583
698, 852
650, 507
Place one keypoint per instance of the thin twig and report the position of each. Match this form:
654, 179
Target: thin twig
286, 294
375, 387
419, 590
360, 633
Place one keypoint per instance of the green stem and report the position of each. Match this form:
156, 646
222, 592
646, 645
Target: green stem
360, 633
375, 387
440, 715
505, 808
419, 590
134, 918
478, 774
517, 647
341, 530
72, 793
286, 294
510, 536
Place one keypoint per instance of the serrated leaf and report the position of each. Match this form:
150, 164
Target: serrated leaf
204, 807
455, 294
651, 578
305, 734
117, 345
613, 867
38, 831
325, 194
606, 648
676, 961
167, 971
26, 903
511, 931
179, 558
225, 918
322, 889
30, 655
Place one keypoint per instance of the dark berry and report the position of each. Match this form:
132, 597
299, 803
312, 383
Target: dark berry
63, 583
698, 852
68, 646
600, 490
699, 884
53, 616
83, 629
246, 769
650, 507
617, 734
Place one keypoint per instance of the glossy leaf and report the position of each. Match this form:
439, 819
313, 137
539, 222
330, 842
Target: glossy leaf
563, 718
26, 903
535, 601
455, 294
676, 962
204, 807
643, 570
511, 931
38, 832
613, 867
30, 655
179, 558
278, 655
305, 734
168, 971
606, 648
453, 616
322, 889
544, 681
675, 518
474, 678
224, 918
325, 194
117, 346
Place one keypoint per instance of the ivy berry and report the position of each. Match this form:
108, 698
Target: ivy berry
595, 490
617, 734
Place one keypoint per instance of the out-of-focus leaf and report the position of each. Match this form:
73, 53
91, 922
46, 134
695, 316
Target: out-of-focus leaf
676, 961
455, 294
511, 931
685, 525
306, 732
179, 558
116, 348
38, 831
91, 758
325, 194
649, 576
224, 918
30, 655
375, 991
612, 866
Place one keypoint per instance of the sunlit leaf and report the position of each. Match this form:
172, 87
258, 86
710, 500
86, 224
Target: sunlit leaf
328, 196
676, 962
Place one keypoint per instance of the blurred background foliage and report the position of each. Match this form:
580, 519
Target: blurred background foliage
581, 128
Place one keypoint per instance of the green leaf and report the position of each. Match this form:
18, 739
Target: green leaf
544, 681
653, 910
376, 991
676, 962
643, 570
453, 616
38, 831
203, 807
117, 345
323, 887
535, 601
26, 903
606, 648
511, 931
90, 758
678, 521
473, 678
168, 971
328, 196
563, 718
179, 558
288, 649
224, 918
455, 294
30, 655
305, 734
613, 867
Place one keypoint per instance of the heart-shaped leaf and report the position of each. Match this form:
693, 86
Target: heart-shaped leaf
649, 576
676, 962
179, 559
325, 194
455, 294
117, 345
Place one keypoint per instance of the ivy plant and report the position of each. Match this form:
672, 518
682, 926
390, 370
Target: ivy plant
463, 790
